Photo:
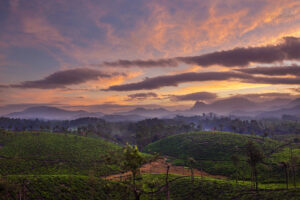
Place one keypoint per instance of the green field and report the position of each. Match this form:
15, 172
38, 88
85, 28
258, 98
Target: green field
42, 165
180, 188
212, 152
54, 153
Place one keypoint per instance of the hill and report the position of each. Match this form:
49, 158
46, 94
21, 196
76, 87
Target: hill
293, 111
181, 187
54, 153
51, 113
61, 166
225, 106
211, 150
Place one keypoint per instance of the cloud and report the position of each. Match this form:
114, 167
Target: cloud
174, 80
142, 96
197, 96
273, 80
295, 89
61, 79
289, 49
273, 71
143, 63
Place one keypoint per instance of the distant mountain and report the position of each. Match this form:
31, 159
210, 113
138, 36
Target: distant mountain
198, 106
293, 111
295, 102
51, 113
236, 106
123, 118
235, 103
278, 102
148, 113
224, 106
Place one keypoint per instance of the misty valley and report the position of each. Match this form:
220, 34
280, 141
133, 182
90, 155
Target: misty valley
117, 156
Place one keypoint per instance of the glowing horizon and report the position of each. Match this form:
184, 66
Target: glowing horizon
135, 53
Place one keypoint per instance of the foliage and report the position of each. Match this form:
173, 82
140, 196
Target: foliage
212, 150
53, 153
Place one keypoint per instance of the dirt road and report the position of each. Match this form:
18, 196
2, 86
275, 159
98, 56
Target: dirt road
160, 166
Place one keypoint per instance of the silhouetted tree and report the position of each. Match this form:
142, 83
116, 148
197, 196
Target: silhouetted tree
236, 163
293, 164
133, 161
167, 183
285, 166
191, 163
255, 156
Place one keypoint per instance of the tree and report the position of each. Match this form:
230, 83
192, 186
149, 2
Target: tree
294, 161
221, 127
133, 161
236, 163
265, 135
255, 156
191, 163
285, 166
167, 183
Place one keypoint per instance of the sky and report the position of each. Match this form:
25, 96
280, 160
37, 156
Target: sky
114, 55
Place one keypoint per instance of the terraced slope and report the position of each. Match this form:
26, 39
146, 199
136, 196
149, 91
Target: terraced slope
153, 186
53, 153
211, 150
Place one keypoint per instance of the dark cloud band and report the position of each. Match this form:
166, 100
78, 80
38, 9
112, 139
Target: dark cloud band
143, 63
174, 80
273, 71
61, 79
289, 49
142, 96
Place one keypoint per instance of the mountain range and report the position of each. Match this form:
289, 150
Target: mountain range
237, 106
52, 113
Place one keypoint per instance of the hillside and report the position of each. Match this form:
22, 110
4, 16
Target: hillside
211, 150
37, 165
181, 188
51, 113
54, 153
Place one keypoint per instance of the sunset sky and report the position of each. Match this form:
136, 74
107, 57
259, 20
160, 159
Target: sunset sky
116, 54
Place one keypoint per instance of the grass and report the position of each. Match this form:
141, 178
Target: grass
90, 187
211, 188
211, 150
53, 153
62, 187
60, 166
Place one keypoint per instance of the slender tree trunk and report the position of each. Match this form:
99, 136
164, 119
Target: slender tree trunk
192, 175
286, 177
236, 175
252, 178
167, 183
136, 194
256, 181
294, 176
